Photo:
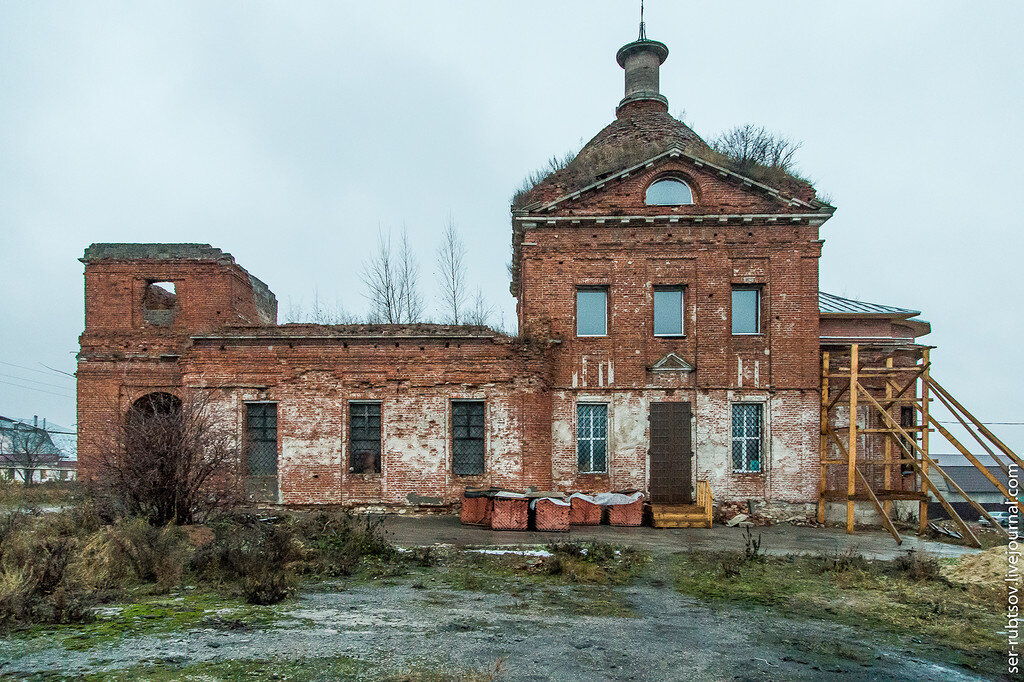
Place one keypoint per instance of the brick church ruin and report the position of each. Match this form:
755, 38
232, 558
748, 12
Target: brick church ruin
671, 337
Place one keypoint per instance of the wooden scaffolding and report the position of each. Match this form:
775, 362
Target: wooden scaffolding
876, 427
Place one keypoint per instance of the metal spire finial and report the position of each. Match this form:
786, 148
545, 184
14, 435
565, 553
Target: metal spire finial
643, 33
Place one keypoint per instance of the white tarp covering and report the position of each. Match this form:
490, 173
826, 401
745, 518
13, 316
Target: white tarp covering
607, 499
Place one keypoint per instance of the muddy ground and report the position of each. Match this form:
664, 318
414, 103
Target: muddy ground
421, 621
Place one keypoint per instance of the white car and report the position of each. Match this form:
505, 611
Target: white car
1001, 517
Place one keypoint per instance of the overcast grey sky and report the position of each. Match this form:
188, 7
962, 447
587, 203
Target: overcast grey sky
286, 132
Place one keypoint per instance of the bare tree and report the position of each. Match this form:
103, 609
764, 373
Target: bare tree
169, 459
410, 297
480, 311
392, 282
380, 282
320, 311
451, 274
749, 145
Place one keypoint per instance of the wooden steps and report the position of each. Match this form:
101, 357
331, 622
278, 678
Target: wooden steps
679, 516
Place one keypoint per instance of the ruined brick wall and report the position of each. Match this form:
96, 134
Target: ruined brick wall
220, 342
415, 380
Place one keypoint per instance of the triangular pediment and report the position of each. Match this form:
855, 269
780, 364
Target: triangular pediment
671, 363
710, 176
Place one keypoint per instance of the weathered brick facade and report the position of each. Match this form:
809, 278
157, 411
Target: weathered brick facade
588, 225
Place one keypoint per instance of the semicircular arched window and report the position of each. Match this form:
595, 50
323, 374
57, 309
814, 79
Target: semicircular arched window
669, 192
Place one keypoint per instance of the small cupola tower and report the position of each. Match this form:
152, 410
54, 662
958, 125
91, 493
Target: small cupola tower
642, 60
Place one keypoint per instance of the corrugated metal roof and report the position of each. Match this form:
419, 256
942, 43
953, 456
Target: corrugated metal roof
972, 480
832, 304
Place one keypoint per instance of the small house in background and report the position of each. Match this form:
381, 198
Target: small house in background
35, 451
976, 485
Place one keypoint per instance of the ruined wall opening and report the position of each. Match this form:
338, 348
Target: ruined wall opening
153, 404
159, 303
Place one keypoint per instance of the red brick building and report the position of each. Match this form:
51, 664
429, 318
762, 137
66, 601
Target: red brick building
669, 334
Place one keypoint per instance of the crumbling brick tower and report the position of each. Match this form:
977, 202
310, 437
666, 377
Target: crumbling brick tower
682, 293
143, 303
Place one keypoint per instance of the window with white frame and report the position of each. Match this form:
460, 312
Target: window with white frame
592, 311
668, 192
668, 311
592, 438
747, 438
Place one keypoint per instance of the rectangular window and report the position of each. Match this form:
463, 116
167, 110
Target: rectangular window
592, 311
747, 419
746, 310
668, 311
468, 437
592, 438
364, 438
908, 418
261, 438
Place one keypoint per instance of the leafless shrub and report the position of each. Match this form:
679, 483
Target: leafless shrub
132, 549
481, 312
169, 459
554, 164
258, 556
35, 584
451, 274
320, 311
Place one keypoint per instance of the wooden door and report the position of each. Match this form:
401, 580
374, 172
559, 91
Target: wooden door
671, 452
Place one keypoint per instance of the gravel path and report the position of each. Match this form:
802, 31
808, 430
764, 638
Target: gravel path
665, 636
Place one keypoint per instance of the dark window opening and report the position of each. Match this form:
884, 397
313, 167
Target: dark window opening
908, 418
159, 303
468, 437
364, 438
261, 438
746, 437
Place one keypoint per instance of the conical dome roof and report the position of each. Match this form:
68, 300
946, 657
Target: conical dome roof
642, 130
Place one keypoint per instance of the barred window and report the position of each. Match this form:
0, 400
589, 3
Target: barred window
746, 436
261, 438
592, 438
468, 437
364, 438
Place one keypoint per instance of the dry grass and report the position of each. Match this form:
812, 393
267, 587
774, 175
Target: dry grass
907, 597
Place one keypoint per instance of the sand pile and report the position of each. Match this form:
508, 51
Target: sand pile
989, 568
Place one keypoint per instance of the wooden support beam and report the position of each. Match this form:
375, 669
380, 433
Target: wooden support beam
823, 445
974, 420
921, 468
912, 382
851, 455
887, 453
970, 500
886, 521
922, 509
838, 396
973, 460
879, 508
974, 434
